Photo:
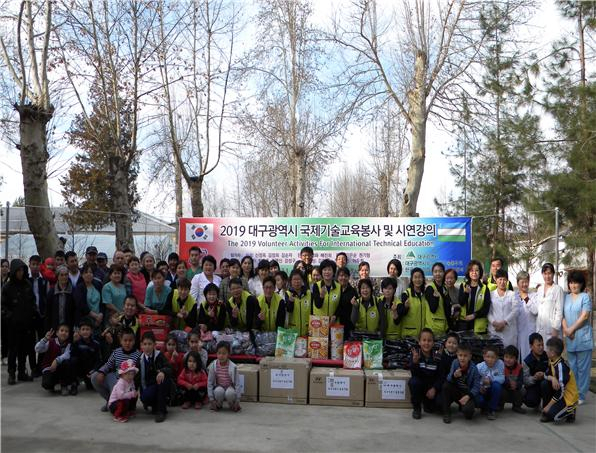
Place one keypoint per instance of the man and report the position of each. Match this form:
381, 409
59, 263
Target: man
72, 263
119, 258
306, 255
40, 289
194, 267
102, 266
59, 259
491, 280
128, 254
173, 260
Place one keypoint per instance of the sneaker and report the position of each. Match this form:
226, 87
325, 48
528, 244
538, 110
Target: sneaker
74, 389
447, 418
580, 402
64, 390
416, 413
186, 405
104, 408
545, 418
160, 417
213, 406
88, 384
121, 419
519, 410
570, 419
491, 415
198, 405
24, 377
12, 380
236, 407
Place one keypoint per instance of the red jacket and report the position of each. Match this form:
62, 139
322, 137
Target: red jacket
188, 378
177, 364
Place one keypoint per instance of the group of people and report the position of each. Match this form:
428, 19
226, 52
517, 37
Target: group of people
78, 324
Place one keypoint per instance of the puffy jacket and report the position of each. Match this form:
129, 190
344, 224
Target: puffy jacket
187, 379
19, 308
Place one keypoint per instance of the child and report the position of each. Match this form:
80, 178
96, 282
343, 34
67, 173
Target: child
425, 382
462, 385
492, 376
559, 389
105, 378
181, 306
172, 355
129, 318
192, 381
56, 367
212, 315
195, 344
110, 337
47, 270
223, 379
448, 355
85, 355
123, 399
514, 379
534, 367
154, 377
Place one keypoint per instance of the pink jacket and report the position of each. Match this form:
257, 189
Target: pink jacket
122, 391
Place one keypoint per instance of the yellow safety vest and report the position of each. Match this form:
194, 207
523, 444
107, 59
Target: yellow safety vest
188, 304
241, 310
393, 331
205, 306
330, 302
270, 312
436, 321
480, 324
368, 318
302, 309
413, 322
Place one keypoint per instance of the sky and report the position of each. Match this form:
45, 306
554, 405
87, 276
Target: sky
545, 26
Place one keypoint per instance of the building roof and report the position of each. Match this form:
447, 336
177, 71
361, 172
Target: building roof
144, 223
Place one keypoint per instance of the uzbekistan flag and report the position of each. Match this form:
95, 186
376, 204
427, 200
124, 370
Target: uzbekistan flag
452, 232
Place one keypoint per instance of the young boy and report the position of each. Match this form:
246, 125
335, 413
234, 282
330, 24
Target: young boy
56, 367
154, 378
492, 378
222, 380
534, 367
85, 355
104, 379
181, 306
559, 389
462, 385
425, 382
514, 380
128, 318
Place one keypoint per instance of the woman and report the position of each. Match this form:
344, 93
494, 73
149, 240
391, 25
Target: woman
4, 272
388, 301
255, 284
344, 311
549, 299
147, 265
367, 312
502, 316
114, 292
299, 302
157, 294
410, 310
61, 306
200, 281
474, 300
394, 270
248, 270
138, 284
438, 305
526, 318
271, 312
181, 270
577, 330
453, 291
326, 293
87, 294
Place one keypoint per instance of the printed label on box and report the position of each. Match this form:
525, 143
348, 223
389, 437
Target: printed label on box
393, 390
338, 386
282, 379
241, 383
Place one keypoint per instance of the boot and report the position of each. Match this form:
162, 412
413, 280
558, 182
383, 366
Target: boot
12, 380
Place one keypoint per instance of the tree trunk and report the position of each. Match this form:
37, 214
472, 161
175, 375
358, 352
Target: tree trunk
300, 182
417, 112
121, 205
196, 197
384, 195
34, 160
178, 190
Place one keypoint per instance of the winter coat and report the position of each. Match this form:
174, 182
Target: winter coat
19, 307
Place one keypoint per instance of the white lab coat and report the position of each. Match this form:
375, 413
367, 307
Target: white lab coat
504, 308
550, 310
526, 322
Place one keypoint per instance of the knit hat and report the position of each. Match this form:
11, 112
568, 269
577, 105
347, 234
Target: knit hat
126, 366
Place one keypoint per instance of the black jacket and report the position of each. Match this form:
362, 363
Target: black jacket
42, 289
217, 323
85, 356
427, 370
79, 294
72, 311
148, 370
19, 307
344, 310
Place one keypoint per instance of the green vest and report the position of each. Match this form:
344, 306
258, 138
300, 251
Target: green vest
436, 321
188, 304
368, 318
492, 284
205, 306
330, 302
242, 310
413, 322
480, 324
302, 309
393, 331
270, 312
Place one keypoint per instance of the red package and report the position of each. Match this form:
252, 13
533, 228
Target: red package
353, 355
155, 320
161, 333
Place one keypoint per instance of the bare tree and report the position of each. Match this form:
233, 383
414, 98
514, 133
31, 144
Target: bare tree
432, 49
352, 194
27, 63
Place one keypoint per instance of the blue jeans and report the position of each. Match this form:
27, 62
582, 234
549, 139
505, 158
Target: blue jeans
491, 398
580, 363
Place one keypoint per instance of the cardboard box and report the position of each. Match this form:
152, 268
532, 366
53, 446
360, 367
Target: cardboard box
248, 381
318, 347
387, 388
283, 380
336, 387
318, 326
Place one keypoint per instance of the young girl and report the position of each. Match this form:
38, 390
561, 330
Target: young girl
192, 381
123, 399
114, 292
47, 270
411, 309
222, 384
366, 314
137, 280
438, 306
157, 295
175, 358
474, 300
196, 345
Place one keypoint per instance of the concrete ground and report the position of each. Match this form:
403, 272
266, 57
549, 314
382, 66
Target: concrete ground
35, 421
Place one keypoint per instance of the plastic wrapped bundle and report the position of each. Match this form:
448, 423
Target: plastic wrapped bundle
181, 340
358, 335
240, 342
477, 344
265, 343
396, 353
